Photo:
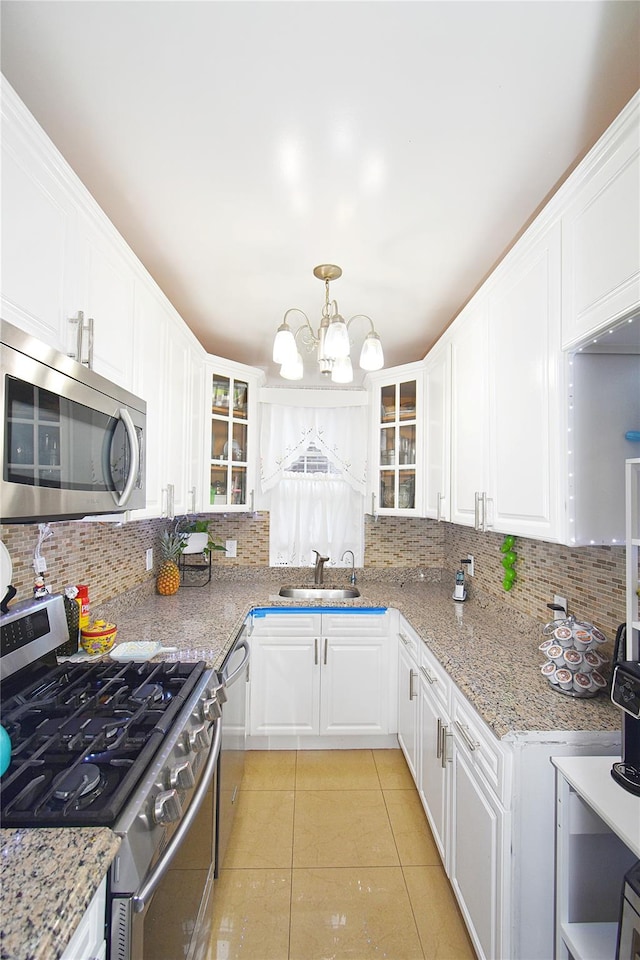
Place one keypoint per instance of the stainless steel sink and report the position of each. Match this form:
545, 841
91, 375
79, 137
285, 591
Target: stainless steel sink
313, 592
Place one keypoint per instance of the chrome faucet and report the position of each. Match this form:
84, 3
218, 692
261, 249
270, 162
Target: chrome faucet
352, 578
319, 570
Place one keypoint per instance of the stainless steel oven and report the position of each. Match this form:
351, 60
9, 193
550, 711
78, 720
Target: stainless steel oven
131, 746
72, 443
234, 677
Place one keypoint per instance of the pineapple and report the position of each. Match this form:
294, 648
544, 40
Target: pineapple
168, 579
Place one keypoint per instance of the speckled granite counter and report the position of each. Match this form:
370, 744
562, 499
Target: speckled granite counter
489, 650
48, 880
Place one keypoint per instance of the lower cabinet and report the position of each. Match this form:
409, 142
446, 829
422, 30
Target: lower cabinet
436, 750
88, 942
323, 674
408, 696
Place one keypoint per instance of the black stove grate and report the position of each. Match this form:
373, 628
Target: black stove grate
110, 717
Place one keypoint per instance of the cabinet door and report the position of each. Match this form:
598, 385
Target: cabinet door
601, 240
285, 694
437, 416
433, 766
525, 392
177, 419
106, 295
469, 420
38, 232
408, 707
353, 689
476, 852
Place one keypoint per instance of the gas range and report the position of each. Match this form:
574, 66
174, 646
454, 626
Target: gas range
133, 747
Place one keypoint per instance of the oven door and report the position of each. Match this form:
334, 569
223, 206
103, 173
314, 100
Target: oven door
234, 676
169, 918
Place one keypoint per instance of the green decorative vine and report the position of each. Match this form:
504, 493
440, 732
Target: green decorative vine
508, 562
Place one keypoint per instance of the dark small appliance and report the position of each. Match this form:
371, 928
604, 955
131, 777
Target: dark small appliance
625, 693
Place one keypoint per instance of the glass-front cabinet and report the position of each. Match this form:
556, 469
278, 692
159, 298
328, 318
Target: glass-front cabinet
397, 442
231, 453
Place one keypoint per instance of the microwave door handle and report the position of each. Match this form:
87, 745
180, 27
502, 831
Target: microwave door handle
141, 898
134, 466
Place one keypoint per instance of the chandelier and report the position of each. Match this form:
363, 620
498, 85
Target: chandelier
331, 341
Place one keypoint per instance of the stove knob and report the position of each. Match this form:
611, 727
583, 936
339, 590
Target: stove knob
167, 807
211, 709
198, 738
181, 776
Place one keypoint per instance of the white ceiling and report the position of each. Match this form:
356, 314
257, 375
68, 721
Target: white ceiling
235, 145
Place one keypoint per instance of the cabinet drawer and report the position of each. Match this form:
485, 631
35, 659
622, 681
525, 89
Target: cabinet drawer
437, 679
481, 747
409, 638
286, 624
355, 624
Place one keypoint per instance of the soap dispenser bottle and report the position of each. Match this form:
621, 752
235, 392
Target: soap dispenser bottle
459, 592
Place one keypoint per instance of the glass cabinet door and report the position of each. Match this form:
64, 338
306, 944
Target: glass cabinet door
398, 425
229, 441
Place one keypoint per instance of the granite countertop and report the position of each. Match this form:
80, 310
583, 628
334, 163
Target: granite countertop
489, 650
49, 878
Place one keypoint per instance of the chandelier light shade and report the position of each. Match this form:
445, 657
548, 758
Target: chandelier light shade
331, 342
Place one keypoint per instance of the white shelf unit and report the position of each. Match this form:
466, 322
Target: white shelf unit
632, 510
597, 841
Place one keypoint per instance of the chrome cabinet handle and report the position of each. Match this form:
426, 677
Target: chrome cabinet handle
412, 693
90, 343
404, 638
439, 739
438, 510
315, 645
444, 759
429, 676
463, 730
476, 510
251, 495
193, 499
326, 643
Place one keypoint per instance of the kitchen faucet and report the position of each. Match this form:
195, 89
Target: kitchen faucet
319, 570
352, 578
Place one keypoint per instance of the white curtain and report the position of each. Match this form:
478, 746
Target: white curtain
339, 432
314, 512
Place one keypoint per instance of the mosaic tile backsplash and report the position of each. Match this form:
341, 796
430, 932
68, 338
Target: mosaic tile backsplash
110, 558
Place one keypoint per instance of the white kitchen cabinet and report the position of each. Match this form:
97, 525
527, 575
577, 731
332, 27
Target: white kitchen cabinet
319, 675
39, 228
88, 942
435, 749
408, 687
397, 406
600, 235
507, 388
469, 415
231, 437
105, 294
437, 420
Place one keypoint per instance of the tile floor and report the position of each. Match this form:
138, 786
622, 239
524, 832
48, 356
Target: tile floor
331, 858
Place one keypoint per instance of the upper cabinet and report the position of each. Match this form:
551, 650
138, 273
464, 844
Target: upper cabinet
437, 433
397, 435
232, 436
601, 234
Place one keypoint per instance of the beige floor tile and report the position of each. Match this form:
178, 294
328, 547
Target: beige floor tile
262, 834
352, 914
342, 829
336, 770
269, 770
251, 915
440, 924
393, 771
410, 827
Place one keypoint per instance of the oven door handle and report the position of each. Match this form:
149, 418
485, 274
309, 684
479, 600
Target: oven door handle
243, 645
142, 897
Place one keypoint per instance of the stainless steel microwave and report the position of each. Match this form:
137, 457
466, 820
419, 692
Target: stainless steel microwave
72, 442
